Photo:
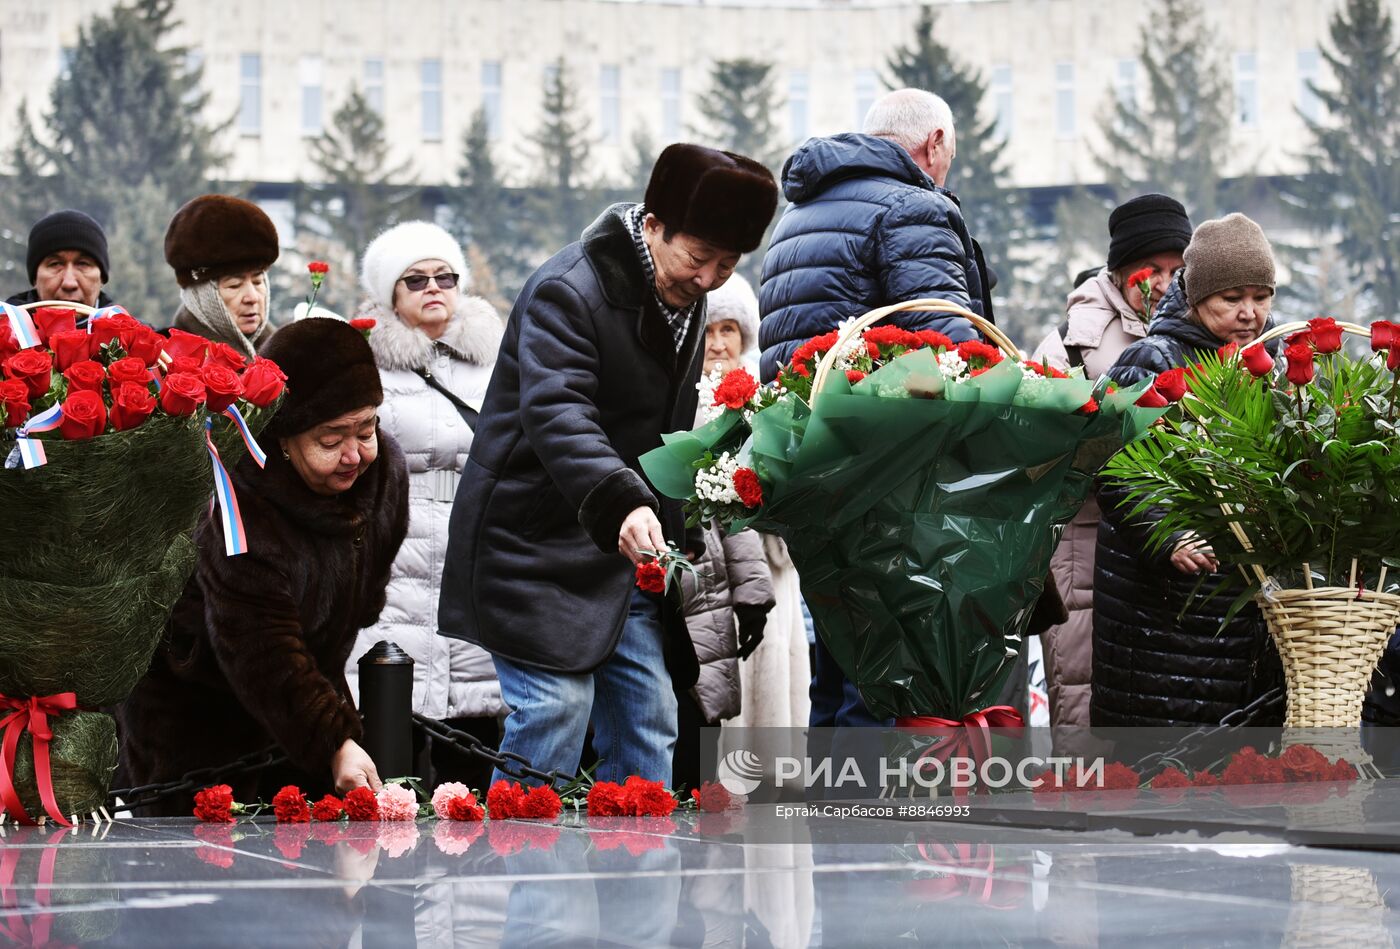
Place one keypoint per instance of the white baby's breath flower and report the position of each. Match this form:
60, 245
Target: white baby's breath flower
716, 483
953, 366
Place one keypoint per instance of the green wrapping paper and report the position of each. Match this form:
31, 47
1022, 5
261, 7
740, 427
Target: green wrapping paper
921, 527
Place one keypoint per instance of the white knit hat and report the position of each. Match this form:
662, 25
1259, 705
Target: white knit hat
735, 301
402, 246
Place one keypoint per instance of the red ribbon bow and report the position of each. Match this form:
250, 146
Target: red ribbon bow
969, 738
19, 932
31, 714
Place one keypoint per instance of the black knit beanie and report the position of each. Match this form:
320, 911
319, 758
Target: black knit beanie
1148, 224
66, 230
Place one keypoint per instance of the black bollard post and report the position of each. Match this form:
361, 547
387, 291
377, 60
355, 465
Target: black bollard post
386, 705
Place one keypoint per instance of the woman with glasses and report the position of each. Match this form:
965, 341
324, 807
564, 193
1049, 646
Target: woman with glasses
435, 345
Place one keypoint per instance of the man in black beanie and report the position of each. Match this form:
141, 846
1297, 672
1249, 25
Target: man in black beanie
66, 260
601, 356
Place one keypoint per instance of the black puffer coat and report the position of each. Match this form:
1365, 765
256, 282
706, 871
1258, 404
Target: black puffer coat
1151, 667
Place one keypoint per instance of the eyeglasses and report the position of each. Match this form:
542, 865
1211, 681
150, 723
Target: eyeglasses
417, 281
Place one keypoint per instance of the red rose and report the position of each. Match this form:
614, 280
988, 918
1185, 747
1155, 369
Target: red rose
1258, 361
190, 364
736, 389
225, 355
328, 808
8, 344
33, 367
606, 799
360, 804
713, 798
145, 345
1171, 385
1151, 399
289, 805
747, 486
1392, 357
854, 375
14, 399
1383, 335
69, 347
84, 415
318, 266
465, 807
648, 798
182, 393
651, 578
504, 799
132, 404
214, 805
1326, 334
222, 386
130, 369
51, 319
85, 375
263, 382
1227, 352
101, 332
179, 343
363, 323
1302, 336
1300, 364
541, 803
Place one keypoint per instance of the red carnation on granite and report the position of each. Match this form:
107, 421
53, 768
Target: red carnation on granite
360, 804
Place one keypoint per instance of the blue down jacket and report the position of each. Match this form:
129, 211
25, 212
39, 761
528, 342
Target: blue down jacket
865, 228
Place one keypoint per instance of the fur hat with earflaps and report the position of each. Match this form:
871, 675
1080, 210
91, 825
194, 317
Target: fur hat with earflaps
215, 235
330, 371
719, 197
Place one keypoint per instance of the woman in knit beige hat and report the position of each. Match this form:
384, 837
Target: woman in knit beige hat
1164, 653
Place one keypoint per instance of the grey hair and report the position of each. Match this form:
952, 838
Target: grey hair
908, 117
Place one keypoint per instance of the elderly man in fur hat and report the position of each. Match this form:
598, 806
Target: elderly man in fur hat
601, 355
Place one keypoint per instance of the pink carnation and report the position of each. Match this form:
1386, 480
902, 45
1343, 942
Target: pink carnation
446, 792
396, 839
397, 802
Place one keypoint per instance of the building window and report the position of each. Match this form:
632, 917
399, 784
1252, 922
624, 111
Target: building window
867, 89
250, 94
1125, 78
374, 85
1004, 111
670, 104
797, 104
491, 98
309, 70
1064, 100
1246, 90
1308, 102
431, 82
65, 62
610, 104
194, 62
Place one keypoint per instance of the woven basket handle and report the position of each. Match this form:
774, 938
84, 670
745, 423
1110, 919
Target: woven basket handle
81, 308
1288, 329
989, 330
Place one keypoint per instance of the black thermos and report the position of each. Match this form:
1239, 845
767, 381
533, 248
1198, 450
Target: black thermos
386, 705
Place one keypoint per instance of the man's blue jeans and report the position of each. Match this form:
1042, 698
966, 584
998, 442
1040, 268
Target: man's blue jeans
629, 699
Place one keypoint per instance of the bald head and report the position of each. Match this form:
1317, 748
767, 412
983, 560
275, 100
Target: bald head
919, 122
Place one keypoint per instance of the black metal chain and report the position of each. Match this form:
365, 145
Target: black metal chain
506, 762
147, 794
1239, 718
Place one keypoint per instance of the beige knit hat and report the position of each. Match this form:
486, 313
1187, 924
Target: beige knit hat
1226, 252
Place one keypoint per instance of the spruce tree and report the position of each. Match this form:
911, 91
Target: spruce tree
484, 210
565, 198
991, 207
640, 161
359, 191
1175, 142
124, 140
1353, 185
738, 112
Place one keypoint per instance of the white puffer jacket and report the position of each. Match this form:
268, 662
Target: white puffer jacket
451, 679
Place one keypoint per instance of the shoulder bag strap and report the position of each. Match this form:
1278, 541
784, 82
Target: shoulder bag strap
469, 414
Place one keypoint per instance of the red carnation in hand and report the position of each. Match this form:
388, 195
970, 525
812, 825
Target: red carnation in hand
49, 320
69, 347
651, 578
1143, 275
713, 798
1171, 385
318, 266
328, 808
606, 799
736, 389
130, 369
465, 807
222, 386
1257, 360
1300, 364
1384, 334
747, 486
182, 393
33, 367
14, 399
360, 804
648, 798
84, 415
87, 374
1326, 334
132, 404
214, 805
263, 382
289, 805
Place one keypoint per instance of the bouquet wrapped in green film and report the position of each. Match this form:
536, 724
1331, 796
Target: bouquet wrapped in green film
921, 487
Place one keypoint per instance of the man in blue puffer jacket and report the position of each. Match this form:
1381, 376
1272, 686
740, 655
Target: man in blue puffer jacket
870, 224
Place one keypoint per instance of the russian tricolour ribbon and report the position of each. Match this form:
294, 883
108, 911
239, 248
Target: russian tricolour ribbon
103, 313
21, 325
31, 450
254, 449
235, 541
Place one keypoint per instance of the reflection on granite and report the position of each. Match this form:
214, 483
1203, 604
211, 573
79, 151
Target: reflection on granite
748, 878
